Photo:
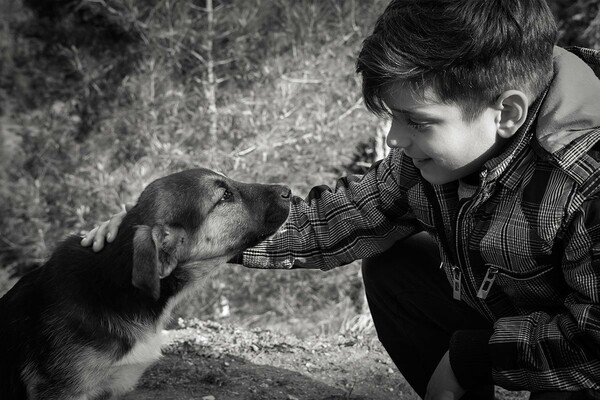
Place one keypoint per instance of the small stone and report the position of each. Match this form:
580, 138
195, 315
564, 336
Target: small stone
208, 397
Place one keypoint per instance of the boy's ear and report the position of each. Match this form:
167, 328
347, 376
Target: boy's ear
512, 106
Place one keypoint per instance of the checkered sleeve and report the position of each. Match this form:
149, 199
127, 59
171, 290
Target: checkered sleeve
558, 351
360, 217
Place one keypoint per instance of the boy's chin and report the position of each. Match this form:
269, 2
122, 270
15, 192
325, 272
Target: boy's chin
437, 177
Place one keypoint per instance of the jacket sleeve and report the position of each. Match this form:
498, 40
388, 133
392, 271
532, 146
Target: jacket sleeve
361, 217
558, 350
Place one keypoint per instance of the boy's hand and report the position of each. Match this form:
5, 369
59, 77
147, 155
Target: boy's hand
106, 231
443, 384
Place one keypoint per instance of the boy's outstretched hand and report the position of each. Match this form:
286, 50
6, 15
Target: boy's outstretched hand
443, 384
106, 231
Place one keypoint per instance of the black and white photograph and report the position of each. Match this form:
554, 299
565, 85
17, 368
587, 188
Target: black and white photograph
299, 199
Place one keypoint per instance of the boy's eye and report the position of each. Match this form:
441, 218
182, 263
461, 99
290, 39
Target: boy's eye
408, 121
417, 125
227, 195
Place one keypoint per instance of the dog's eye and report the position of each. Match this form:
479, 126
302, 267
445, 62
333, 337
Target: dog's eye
227, 195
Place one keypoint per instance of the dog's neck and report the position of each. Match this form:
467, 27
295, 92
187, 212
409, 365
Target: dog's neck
116, 259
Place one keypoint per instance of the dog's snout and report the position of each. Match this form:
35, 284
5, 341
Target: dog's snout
285, 192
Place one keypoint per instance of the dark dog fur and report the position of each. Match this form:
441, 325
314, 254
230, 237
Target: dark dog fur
86, 325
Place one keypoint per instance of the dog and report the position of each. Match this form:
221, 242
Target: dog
85, 325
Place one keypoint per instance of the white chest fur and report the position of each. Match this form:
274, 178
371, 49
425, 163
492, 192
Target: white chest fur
146, 350
125, 373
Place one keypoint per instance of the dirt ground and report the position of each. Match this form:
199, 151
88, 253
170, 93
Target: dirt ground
210, 361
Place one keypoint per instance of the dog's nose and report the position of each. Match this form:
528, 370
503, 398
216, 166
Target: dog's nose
286, 192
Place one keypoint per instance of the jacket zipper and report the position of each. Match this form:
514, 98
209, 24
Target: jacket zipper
457, 273
488, 281
456, 282
471, 287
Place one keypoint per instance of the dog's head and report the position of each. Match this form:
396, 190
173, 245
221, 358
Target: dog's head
198, 215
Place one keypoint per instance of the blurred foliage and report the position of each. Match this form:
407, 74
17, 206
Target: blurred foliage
578, 22
99, 97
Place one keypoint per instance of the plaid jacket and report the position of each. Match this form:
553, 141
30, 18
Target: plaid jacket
524, 250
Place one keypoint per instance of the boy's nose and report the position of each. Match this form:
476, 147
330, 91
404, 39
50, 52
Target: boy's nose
396, 138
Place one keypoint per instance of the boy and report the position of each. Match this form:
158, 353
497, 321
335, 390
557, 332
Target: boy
495, 156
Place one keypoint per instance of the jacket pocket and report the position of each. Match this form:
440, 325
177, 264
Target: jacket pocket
536, 289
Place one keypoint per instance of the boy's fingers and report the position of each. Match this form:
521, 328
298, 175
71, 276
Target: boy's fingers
113, 226
99, 237
105, 231
89, 237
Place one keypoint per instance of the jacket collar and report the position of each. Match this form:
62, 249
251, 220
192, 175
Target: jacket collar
562, 124
571, 109
502, 168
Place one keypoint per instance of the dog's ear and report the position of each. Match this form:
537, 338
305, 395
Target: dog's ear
156, 253
144, 274
172, 243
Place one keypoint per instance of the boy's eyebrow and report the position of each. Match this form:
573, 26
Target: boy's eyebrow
419, 113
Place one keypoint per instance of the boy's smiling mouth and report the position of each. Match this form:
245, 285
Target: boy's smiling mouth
420, 161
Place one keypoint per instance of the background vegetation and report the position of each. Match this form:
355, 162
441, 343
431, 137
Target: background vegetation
99, 97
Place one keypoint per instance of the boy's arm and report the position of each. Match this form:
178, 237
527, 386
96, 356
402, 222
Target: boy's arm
546, 350
362, 216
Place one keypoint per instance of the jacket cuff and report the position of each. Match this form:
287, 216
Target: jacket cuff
470, 358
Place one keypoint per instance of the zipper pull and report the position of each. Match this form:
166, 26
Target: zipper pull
488, 280
456, 282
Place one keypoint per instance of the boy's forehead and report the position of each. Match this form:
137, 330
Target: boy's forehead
405, 96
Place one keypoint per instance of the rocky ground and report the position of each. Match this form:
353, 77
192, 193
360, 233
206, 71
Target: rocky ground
210, 361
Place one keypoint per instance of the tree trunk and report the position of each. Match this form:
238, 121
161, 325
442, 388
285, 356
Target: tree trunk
210, 87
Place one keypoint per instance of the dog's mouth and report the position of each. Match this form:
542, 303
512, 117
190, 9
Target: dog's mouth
261, 237
265, 236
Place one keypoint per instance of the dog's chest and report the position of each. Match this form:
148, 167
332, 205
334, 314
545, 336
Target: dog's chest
125, 372
146, 350
147, 347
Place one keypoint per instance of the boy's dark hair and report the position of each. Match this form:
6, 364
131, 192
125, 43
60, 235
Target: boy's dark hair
468, 51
